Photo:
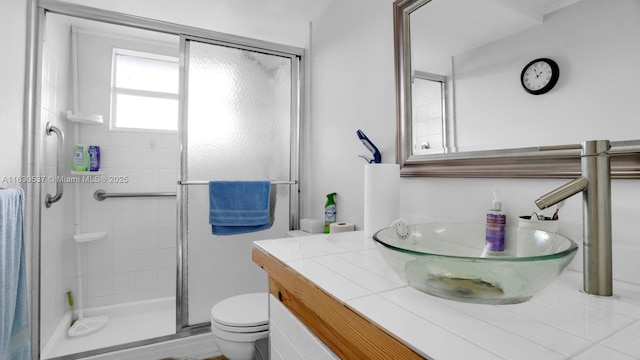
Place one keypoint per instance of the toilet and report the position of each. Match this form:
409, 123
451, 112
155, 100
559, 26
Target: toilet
238, 322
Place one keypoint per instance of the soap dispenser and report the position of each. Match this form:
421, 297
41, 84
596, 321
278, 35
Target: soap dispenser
496, 220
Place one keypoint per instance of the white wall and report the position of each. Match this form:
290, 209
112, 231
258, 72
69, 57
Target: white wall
13, 66
597, 85
12, 72
262, 20
353, 87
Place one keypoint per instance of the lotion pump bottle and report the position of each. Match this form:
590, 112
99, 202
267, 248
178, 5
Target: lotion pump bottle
496, 220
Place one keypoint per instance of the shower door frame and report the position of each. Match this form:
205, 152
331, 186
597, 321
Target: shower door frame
182, 310
37, 10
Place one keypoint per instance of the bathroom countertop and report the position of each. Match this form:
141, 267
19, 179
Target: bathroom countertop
560, 322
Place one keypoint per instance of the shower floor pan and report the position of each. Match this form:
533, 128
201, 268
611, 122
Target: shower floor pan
127, 323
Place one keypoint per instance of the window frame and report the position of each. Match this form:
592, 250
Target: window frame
142, 93
446, 130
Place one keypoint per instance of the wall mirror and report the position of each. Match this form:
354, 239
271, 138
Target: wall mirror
462, 106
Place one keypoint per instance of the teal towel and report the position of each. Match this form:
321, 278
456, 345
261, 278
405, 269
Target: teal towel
15, 341
238, 207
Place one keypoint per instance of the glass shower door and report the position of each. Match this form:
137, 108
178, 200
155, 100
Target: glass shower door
239, 123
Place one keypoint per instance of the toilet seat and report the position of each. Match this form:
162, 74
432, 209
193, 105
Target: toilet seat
240, 329
239, 336
244, 313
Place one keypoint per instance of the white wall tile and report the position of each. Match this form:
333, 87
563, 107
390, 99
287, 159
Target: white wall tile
167, 159
101, 246
99, 301
123, 298
167, 179
146, 280
146, 294
124, 283
124, 240
124, 262
100, 264
146, 260
167, 258
167, 239
167, 218
167, 279
146, 219
99, 285
146, 239
124, 220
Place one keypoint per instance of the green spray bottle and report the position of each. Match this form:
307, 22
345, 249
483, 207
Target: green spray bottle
329, 212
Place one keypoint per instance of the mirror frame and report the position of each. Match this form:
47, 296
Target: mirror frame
529, 162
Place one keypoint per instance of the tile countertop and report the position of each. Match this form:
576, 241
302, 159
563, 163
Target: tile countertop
558, 323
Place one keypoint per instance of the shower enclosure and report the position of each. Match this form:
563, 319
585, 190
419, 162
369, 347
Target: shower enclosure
157, 270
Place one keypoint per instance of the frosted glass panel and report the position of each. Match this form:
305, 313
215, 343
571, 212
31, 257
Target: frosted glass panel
238, 128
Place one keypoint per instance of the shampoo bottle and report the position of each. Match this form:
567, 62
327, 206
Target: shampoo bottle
80, 158
329, 212
496, 220
94, 158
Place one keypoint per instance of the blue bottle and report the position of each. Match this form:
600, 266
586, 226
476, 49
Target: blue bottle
94, 158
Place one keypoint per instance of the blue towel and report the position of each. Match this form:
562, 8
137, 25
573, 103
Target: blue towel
15, 341
238, 207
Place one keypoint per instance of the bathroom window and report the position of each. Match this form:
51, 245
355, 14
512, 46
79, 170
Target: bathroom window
144, 91
428, 117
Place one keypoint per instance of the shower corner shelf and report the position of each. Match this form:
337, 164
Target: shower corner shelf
87, 237
84, 119
99, 172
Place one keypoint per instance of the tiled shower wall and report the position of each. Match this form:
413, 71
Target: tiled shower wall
137, 258
55, 221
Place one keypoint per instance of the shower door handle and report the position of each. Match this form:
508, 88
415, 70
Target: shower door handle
50, 199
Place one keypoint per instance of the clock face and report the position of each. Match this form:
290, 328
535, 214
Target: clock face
540, 76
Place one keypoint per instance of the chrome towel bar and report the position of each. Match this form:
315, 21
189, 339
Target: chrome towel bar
275, 182
101, 194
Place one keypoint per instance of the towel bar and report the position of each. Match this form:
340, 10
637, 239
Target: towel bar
101, 194
275, 182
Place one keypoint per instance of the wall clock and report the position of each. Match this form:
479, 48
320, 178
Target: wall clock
539, 76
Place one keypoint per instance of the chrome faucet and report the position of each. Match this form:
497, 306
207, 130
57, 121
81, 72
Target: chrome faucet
595, 185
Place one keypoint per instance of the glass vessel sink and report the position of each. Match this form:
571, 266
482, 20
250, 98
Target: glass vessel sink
449, 260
